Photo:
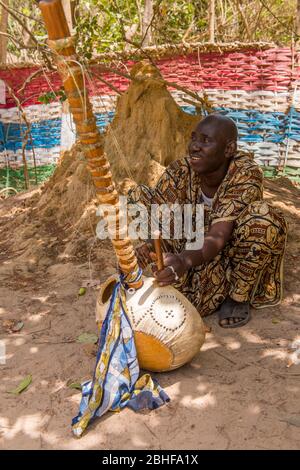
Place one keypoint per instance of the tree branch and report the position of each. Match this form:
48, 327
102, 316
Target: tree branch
186, 34
17, 42
46, 58
27, 16
106, 82
257, 20
243, 16
28, 80
128, 41
203, 101
27, 133
277, 19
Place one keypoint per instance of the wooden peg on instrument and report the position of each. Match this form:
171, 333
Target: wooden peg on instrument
159, 254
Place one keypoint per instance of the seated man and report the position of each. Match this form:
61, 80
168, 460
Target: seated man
240, 262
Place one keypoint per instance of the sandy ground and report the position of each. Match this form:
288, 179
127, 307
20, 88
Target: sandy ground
238, 392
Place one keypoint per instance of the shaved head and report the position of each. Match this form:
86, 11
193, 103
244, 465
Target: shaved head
213, 143
223, 126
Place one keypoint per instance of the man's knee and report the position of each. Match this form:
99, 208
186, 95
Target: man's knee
261, 222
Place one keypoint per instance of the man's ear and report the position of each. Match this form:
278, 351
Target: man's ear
230, 149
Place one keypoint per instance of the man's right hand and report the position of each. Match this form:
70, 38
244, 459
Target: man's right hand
145, 254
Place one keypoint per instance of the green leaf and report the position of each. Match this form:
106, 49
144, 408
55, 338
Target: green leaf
82, 291
22, 385
275, 321
62, 95
75, 385
47, 97
87, 338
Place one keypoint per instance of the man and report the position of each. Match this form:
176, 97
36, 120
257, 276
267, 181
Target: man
240, 262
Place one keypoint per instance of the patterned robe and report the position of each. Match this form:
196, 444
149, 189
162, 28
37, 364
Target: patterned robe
249, 268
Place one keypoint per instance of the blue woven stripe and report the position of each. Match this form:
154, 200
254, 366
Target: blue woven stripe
253, 126
45, 134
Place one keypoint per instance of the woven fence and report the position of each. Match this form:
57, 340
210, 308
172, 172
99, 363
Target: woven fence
257, 87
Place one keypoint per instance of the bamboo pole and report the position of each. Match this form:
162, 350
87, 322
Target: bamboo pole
89, 136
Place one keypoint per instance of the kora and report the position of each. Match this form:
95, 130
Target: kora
168, 330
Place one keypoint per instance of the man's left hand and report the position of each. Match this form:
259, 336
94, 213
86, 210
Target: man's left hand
168, 275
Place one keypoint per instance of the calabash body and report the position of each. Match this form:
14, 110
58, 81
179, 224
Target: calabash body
168, 329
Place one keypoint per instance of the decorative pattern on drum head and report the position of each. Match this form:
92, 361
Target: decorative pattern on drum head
168, 312
136, 321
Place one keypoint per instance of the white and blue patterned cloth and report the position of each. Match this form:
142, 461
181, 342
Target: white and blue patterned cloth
116, 381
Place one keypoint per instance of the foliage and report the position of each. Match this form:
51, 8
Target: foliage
99, 25
21, 45
51, 96
110, 25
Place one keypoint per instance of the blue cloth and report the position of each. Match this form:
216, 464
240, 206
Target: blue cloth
116, 381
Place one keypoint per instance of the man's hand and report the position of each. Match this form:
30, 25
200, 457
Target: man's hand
168, 275
214, 242
144, 254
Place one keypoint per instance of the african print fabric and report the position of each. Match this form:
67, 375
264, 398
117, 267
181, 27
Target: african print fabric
116, 381
250, 266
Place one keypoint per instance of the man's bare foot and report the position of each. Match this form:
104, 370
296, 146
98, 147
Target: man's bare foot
233, 314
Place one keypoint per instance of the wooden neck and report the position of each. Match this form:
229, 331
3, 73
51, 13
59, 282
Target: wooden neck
87, 131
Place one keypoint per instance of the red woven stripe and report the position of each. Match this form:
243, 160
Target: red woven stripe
39, 85
273, 70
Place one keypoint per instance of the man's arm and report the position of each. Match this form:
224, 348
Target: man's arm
214, 242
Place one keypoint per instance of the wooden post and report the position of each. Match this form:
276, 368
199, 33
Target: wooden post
212, 21
3, 29
298, 21
146, 23
89, 136
66, 4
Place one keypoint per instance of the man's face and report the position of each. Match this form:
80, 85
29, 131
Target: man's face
207, 148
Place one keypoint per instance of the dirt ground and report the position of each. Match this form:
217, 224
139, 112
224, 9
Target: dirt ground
240, 392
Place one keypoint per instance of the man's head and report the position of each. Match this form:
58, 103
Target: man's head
213, 143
